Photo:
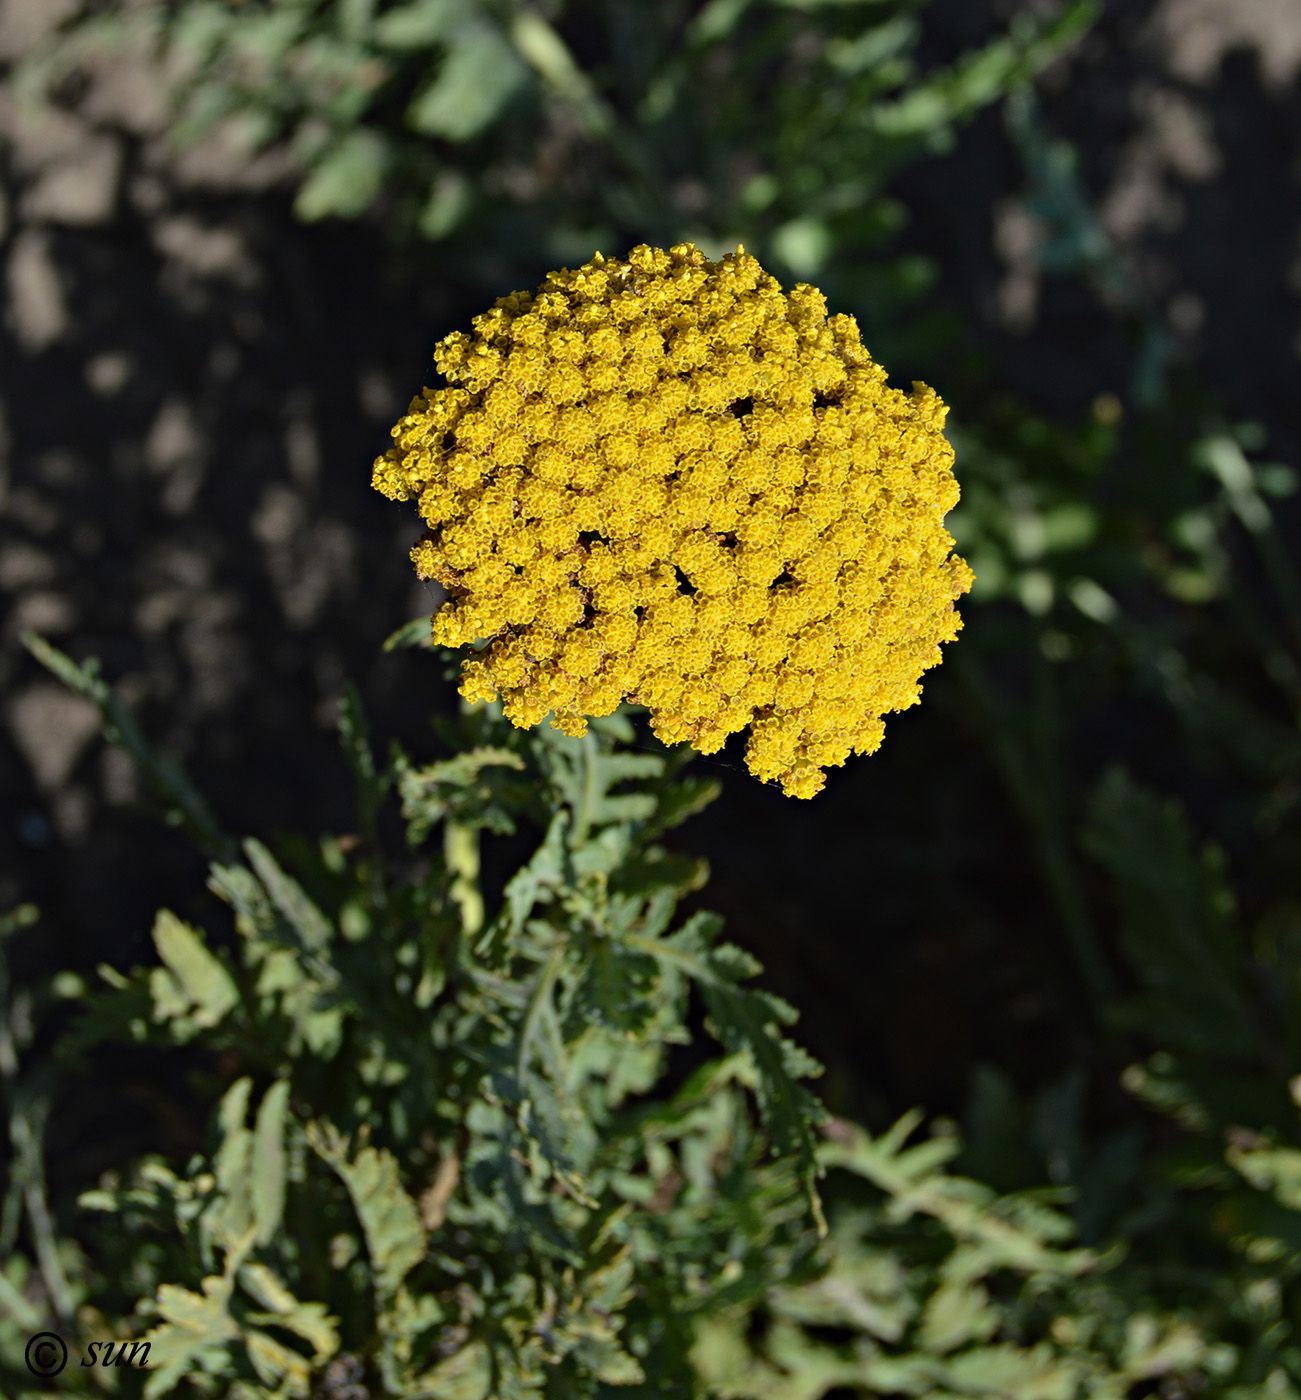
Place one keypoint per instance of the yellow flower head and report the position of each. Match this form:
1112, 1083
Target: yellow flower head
667, 481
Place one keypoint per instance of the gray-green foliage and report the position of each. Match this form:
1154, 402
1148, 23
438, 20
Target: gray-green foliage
450, 1159
443, 1145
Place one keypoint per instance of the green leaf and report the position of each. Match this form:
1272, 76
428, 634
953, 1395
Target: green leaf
864, 1287
310, 1321
618, 988
346, 180
477, 78
584, 770
873, 46
13, 1304
192, 1339
957, 1313
746, 1022
609, 1362
269, 1161
390, 1219
549, 55
464, 787
451, 197
980, 77
465, 1375
354, 735
967, 1209
419, 25
680, 800
228, 1215
192, 987
307, 984
312, 927
537, 881
416, 633
1176, 928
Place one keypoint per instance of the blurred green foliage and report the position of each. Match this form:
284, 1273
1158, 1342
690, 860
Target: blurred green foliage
539, 1221
538, 129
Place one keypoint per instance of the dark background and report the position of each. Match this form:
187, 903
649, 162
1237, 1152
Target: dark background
193, 387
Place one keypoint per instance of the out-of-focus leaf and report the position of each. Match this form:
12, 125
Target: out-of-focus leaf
192, 987
1177, 927
395, 1236
450, 198
345, 180
418, 25
268, 1161
479, 75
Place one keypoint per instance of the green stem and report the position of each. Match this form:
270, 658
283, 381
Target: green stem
461, 852
26, 1132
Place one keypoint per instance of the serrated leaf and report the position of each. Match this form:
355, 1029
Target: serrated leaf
537, 880
390, 1219
967, 1209
680, 800
193, 1337
193, 982
606, 852
618, 988
869, 1289
312, 927
955, 1314
1005, 1369
463, 787
313, 1323
610, 1286
306, 983
610, 1363
275, 1363
746, 1022
261, 1281
466, 1375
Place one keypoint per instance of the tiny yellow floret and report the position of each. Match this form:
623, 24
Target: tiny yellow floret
664, 480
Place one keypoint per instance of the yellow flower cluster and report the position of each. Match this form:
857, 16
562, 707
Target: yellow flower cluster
665, 480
